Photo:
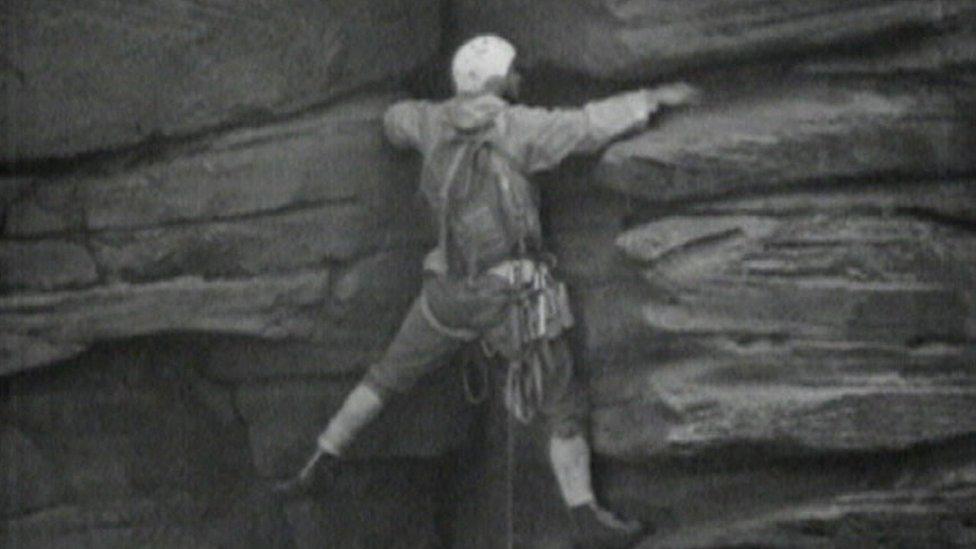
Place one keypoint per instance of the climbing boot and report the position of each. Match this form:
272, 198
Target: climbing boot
317, 475
358, 410
597, 528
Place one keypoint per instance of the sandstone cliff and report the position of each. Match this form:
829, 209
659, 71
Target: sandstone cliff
205, 240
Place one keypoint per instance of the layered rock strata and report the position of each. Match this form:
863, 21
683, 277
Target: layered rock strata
774, 289
90, 75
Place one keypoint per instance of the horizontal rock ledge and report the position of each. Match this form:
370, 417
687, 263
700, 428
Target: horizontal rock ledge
336, 156
796, 364
947, 200
791, 134
839, 312
635, 40
362, 313
949, 52
795, 402
46, 265
280, 243
701, 418
894, 276
40, 328
303, 239
936, 515
90, 75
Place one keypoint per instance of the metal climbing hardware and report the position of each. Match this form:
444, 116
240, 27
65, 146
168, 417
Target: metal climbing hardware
539, 314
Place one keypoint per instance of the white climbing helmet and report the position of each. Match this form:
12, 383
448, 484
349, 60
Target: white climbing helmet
479, 60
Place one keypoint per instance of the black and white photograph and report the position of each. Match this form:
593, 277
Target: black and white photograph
487, 274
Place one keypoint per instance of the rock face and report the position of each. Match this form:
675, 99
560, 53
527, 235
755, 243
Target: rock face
782, 291
805, 131
39, 329
633, 39
234, 236
775, 289
132, 445
92, 74
126, 446
879, 518
284, 255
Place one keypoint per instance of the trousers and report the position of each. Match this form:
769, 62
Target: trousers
419, 348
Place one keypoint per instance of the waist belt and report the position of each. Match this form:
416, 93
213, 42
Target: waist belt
519, 276
539, 312
463, 334
517, 272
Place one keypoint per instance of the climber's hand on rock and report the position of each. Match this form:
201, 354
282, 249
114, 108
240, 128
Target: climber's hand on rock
675, 95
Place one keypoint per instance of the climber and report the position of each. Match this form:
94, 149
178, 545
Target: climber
487, 278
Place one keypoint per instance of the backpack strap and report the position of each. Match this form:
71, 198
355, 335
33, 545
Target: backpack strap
513, 205
463, 149
473, 145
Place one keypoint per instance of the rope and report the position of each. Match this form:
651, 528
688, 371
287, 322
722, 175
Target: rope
480, 363
538, 317
525, 382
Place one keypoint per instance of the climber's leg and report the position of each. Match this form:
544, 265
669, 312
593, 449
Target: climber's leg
357, 411
565, 405
446, 315
420, 346
417, 350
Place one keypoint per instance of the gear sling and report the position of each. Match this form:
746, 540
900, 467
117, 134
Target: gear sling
488, 222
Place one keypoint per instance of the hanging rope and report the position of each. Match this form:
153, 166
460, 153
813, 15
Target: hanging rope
476, 360
540, 313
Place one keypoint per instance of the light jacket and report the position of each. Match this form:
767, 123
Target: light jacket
534, 139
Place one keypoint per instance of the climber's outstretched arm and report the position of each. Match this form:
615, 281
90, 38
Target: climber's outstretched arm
407, 124
542, 138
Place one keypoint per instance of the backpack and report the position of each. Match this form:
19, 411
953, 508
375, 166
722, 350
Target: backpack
485, 208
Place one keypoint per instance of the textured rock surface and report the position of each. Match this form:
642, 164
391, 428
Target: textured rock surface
286, 254
128, 445
122, 448
930, 512
397, 506
805, 131
313, 161
816, 330
950, 50
38, 329
641, 39
792, 366
239, 234
348, 332
774, 290
89, 75
46, 265
284, 417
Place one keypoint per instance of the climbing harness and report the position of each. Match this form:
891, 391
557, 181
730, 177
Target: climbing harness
539, 314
